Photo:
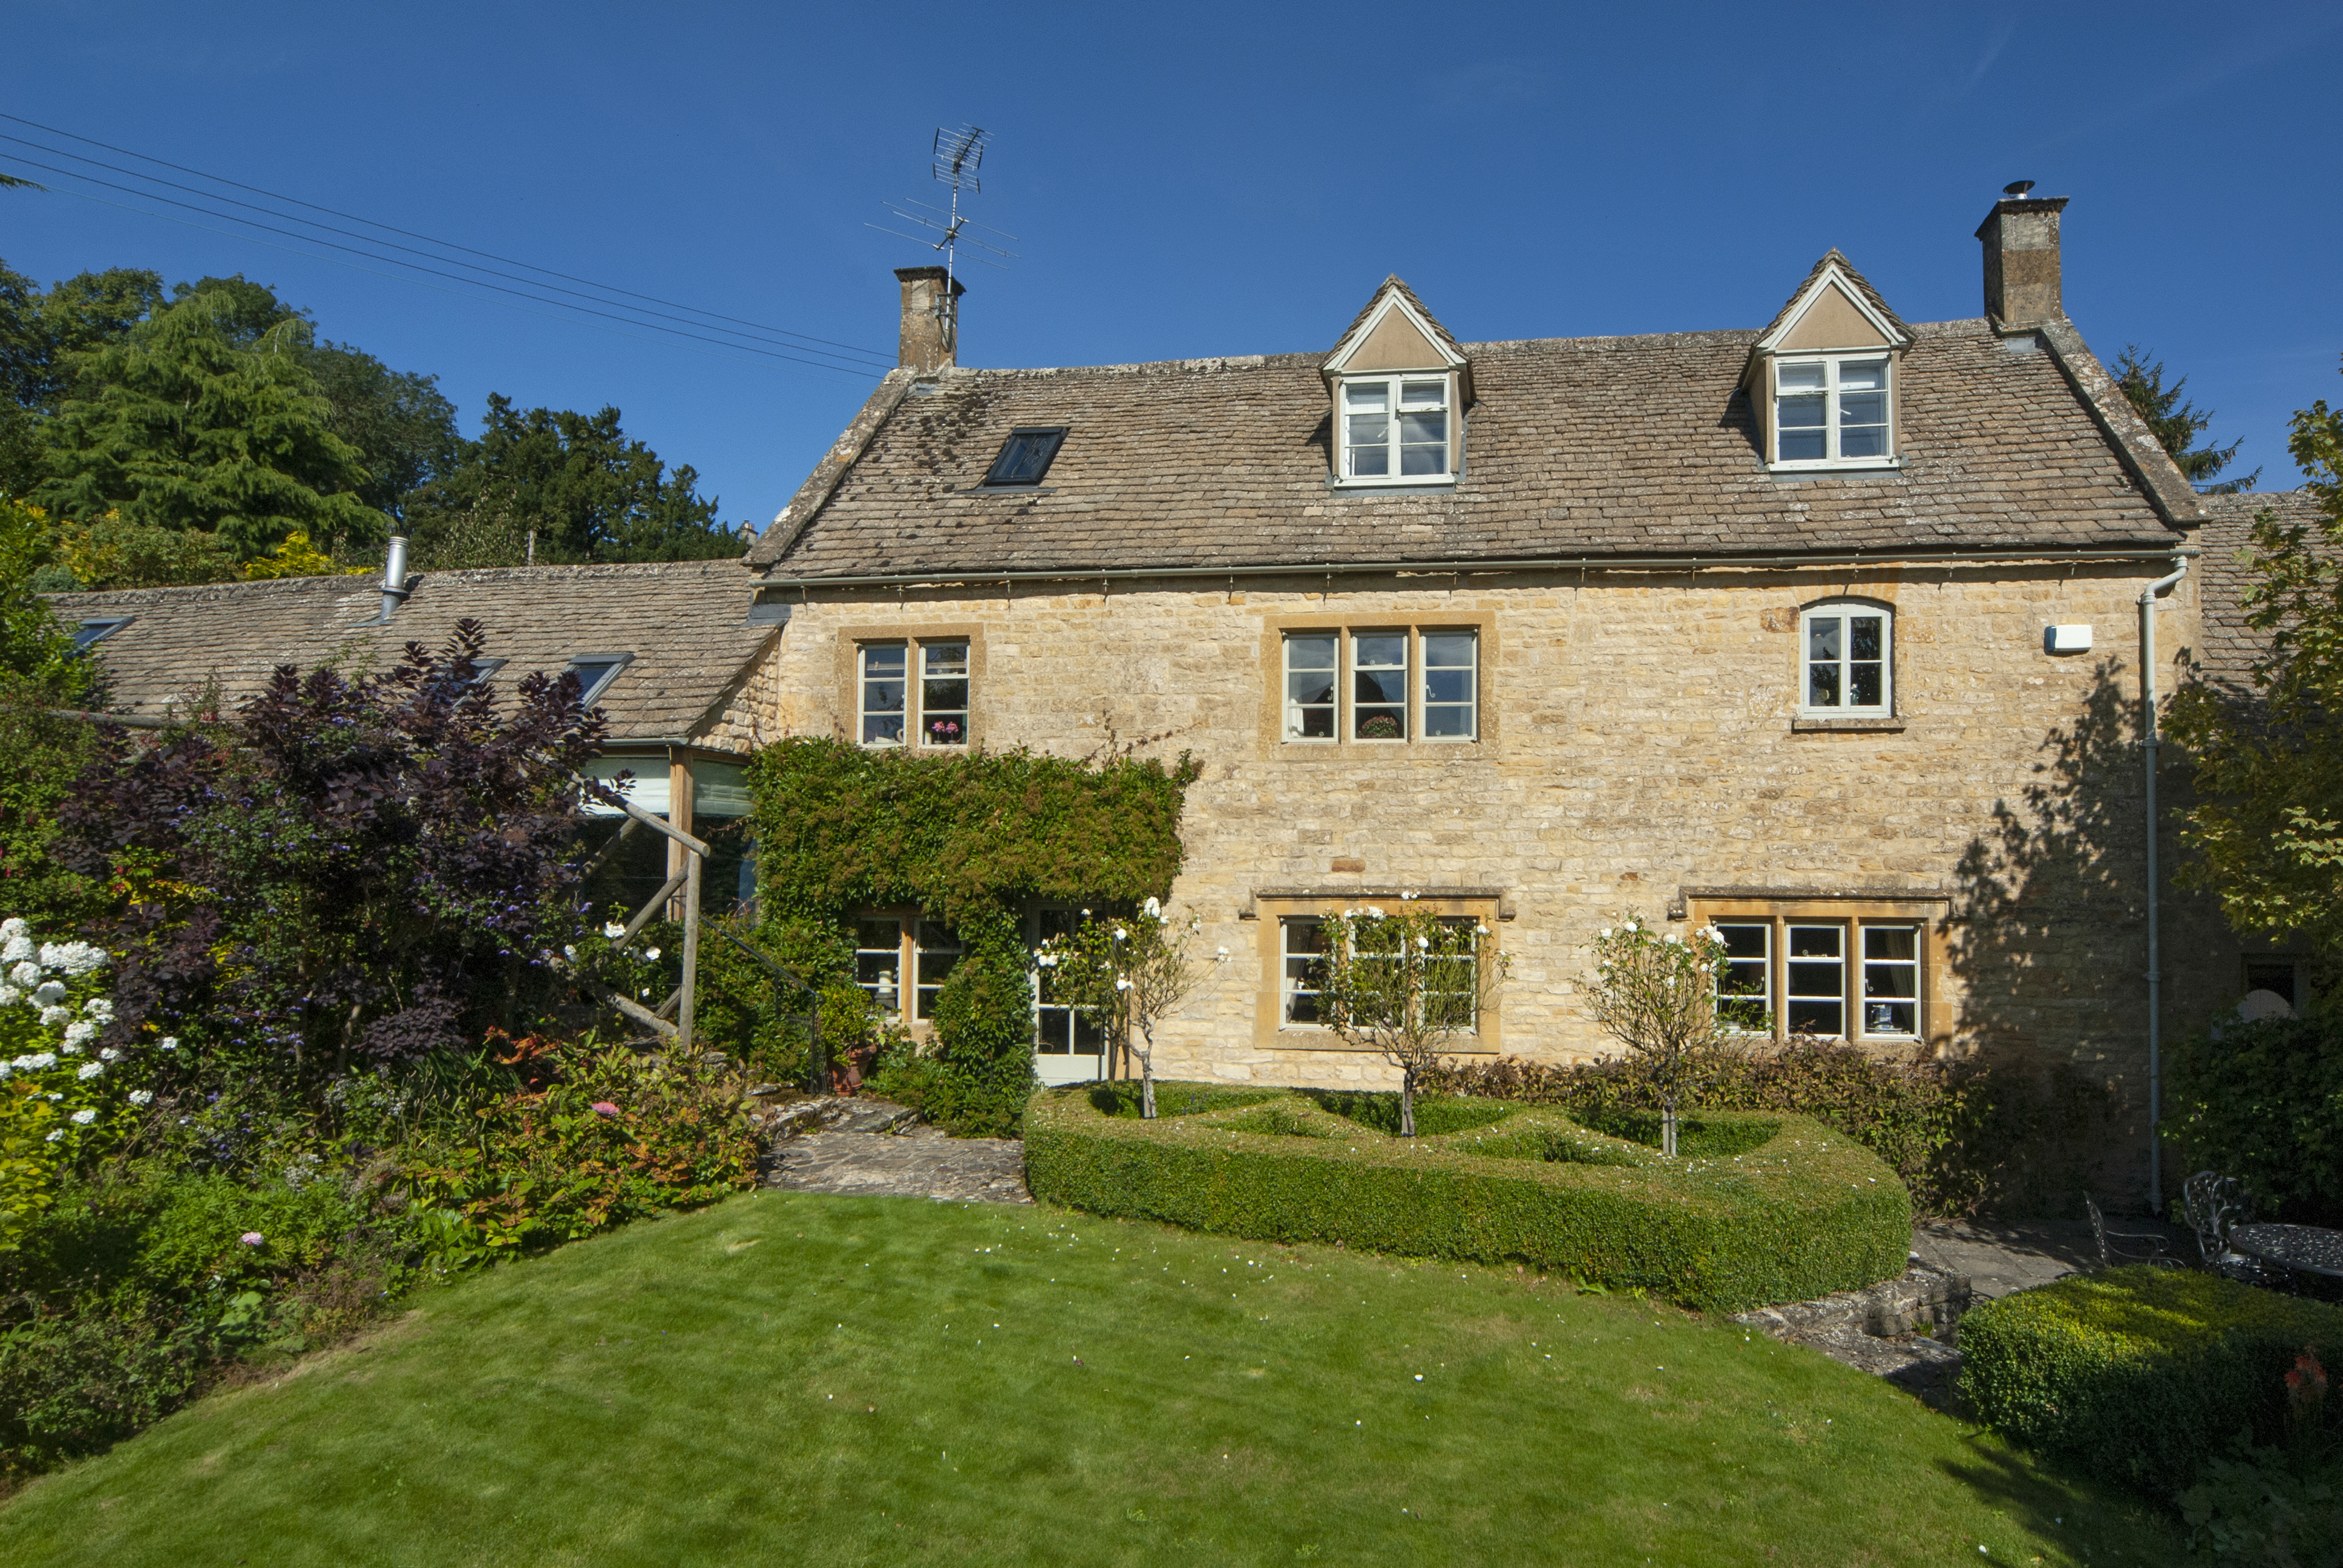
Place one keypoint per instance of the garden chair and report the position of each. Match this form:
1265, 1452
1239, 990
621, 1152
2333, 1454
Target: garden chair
2110, 1255
2217, 1203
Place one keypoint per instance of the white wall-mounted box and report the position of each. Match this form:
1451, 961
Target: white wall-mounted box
2065, 640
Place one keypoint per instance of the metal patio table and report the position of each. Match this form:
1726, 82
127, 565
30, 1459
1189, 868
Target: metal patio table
2307, 1250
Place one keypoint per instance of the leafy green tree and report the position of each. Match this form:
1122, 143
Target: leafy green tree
32, 646
2267, 831
402, 425
1405, 986
587, 489
1129, 974
1655, 992
41, 332
193, 422
2176, 423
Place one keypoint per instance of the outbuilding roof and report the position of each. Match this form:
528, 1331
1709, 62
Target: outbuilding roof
1575, 448
686, 623
2231, 646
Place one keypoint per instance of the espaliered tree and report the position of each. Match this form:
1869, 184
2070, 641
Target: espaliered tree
1655, 992
1130, 974
1406, 984
969, 840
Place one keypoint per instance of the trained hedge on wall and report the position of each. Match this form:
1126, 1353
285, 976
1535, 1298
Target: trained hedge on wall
2140, 1374
1802, 1213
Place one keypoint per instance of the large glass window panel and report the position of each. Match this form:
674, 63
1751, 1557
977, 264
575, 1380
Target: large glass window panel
1744, 981
1801, 412
943, 693
1863, 409
1451, 978
1303, 964
1891, 979
1866, 664
935, 956
1424, 428
1824, 646
1311, 678
1451, 685
1366, 429
882, 685
1379, 682
879, 959
1059, 1029
1815, 998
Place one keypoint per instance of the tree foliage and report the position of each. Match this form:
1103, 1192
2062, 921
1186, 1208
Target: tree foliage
2267, 829
1128, 973
1405, 986
587, 491
2176, 423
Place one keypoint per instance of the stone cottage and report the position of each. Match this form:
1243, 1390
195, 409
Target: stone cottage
1829, 631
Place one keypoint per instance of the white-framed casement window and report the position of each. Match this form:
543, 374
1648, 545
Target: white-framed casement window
1846, 659
1833, 410
1301, 971
879, 961
1066, 1039
1823, 977
1381, 686
892, 706
888, 946
1395, 430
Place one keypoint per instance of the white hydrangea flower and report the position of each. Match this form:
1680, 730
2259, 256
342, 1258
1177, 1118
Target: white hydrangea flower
33, 1061
141, 1097
16, 950
110, 1054
80, 1031
90, 1069
12, 928
50, 993
614, 930
6, 1067
10, 996
27, 973
170, 1042
84, 1118
53, 1137
100, 1007
51, 1016
73, 957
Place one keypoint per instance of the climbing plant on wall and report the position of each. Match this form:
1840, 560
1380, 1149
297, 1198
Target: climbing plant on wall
967, 839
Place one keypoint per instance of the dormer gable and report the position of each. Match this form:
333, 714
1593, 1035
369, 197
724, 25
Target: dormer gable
1399, 384
1822, 377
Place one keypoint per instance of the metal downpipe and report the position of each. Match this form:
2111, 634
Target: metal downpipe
2148, 744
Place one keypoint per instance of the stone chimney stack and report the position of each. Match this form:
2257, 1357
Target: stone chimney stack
930, 321
2021, 259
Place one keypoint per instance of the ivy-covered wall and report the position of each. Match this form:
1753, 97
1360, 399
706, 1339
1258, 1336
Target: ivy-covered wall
969, 839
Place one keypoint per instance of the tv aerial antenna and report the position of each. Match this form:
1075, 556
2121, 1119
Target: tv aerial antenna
954, 162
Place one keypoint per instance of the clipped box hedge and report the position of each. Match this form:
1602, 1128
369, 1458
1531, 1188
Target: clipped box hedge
2140, 1374
1799, 1213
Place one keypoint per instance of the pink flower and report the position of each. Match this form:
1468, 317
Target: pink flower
251, 1238
604, 1108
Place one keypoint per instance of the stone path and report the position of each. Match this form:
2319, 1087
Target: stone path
873, 1148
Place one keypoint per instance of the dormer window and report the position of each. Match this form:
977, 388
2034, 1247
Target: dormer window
1399, 384
1832, 409
1822, 379
1395, 427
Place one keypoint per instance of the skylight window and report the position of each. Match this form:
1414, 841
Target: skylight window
595, 671
90, 632
1026, 456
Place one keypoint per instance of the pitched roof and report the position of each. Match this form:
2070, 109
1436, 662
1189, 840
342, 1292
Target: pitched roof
1832, 257
1395, 284
2230, 646
684, 621
1576, 446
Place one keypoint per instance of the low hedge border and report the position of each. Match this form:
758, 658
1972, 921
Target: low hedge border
1805, 1213
2140, 1374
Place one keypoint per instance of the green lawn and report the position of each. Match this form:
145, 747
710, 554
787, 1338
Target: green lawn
791, 1378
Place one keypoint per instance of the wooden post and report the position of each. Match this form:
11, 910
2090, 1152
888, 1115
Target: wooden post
679, 815
690, 947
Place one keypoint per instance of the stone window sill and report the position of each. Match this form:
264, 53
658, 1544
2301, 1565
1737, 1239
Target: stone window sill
1817, 725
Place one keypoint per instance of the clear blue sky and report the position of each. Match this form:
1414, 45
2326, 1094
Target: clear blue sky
1198, 180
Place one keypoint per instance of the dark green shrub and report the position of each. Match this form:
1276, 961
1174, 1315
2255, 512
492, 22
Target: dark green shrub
1807, 1213
1433, 1116
1122, 1098
72, 1384
193, 1244
1962, 1136
2265, 1102
1695, 1139
2139, 1374
1278, 1121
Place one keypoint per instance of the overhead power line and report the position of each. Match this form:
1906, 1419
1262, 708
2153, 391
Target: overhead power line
735, 333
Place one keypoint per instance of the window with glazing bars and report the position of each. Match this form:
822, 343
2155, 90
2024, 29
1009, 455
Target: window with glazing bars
1830, 410
1396, 429
1847, 656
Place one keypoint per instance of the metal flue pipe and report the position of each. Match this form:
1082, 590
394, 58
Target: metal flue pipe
2148, 743
394, 576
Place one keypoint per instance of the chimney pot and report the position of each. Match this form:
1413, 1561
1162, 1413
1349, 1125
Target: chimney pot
930, 339
2021, 259
394, 576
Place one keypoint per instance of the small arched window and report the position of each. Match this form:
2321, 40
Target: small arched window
1846, 659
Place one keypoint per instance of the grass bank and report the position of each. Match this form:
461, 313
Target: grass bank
819, 1380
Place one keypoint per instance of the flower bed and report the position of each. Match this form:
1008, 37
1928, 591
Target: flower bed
1801, 1213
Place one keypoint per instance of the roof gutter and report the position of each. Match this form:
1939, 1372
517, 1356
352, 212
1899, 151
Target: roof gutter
1493, 568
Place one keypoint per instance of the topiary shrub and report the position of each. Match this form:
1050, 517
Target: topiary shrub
2139, 1374
1805, 1212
